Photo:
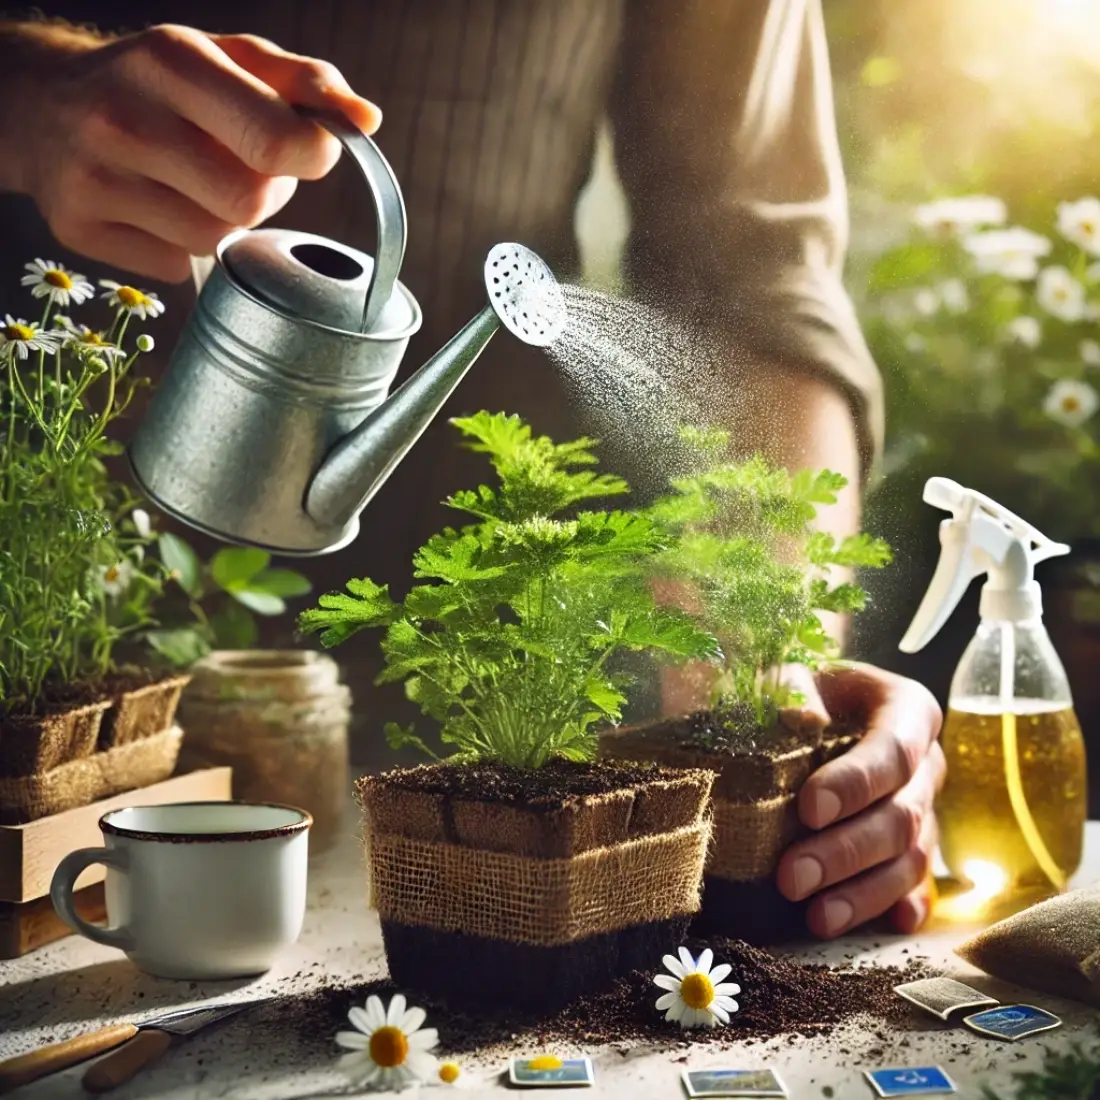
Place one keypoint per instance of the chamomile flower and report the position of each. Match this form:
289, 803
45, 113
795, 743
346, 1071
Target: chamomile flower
49, 280
1025, 330
1071, 402
81, 338
697, 996
389, 1048
142, 523
1089, 350
138, 302
19, 338
954, 295
1079, 222
1012, 253
450, 1073
1060, 294
115, 579
947, 218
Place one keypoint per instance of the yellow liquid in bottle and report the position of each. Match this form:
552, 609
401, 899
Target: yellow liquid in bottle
1028, 820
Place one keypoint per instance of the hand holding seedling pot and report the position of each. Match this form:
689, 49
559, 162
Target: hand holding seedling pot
518, 871
724, 523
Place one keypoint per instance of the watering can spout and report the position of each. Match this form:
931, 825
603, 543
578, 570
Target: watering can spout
524, 297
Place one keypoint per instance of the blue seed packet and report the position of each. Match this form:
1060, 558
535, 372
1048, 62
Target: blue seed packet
733, 1082
915, 1081
1012, 1022
572, 1071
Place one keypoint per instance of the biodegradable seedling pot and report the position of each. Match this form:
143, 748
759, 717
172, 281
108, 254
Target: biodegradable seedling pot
141, 704
755, 808
498, 887
34, 743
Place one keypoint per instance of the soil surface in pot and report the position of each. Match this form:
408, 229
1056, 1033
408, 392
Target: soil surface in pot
549, 787
779, 996
56, 699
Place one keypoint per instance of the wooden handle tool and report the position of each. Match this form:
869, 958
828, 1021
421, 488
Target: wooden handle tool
118, 1067
29, 1067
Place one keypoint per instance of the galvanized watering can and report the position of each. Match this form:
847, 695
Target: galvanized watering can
272, 427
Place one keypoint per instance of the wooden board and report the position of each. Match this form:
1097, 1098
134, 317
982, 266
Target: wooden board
30, 924
30, 853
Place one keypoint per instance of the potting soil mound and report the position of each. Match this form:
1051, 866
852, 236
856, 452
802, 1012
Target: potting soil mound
779, 996
552, 784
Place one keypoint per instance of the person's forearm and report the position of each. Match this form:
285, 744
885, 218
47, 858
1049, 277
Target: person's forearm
31, 58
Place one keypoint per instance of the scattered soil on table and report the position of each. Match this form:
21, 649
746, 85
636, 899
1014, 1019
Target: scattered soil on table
779, 996
551, 785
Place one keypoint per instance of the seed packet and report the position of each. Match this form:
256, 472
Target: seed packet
915, 1081
1012, 1022
1053, 946
942, 996
733, 1082
549, 1072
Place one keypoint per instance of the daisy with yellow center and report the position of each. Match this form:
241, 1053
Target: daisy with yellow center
81, 338
138, 302
697, 995
49, 280
19, 338
1071, 402
390, 1049
116, 579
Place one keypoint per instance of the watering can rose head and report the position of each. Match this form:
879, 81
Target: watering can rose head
508, 643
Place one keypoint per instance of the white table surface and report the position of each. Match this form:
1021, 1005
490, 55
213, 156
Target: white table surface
75, 986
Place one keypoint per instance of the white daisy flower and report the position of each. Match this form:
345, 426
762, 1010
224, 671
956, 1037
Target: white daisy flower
926, 301
1012, 253
81, 338
137, 302
947, 218
49, 280
1089, 350
954, 295
1060, 294
1071, 402
697, 996
142, 522
1025, 330
390, 1049
1079, 222
19, 338
115, 579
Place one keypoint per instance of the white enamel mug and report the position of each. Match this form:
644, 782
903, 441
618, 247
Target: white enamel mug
196, 890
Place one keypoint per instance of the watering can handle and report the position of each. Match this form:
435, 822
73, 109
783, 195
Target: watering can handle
389, 208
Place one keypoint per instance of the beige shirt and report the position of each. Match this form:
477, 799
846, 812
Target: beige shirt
724, 139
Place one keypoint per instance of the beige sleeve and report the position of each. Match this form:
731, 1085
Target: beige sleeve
726, 144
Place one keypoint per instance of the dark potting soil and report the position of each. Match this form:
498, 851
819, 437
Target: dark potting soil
549, 786
55, 699
734, 731
754, 909
779, 997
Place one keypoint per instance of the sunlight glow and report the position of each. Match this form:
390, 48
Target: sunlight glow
987, 882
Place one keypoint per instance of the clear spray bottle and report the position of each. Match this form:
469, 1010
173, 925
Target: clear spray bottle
1013, 807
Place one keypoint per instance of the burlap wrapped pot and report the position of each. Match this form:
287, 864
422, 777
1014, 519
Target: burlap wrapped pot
279, 718
493, 904
755, 808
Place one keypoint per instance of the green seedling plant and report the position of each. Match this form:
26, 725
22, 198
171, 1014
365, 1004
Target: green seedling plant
741, 539
71, 587
218, 600
508, 640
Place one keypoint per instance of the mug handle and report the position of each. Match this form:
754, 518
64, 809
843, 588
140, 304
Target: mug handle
61, 894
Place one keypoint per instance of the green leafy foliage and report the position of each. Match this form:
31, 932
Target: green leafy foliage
72, 583
741, 536
1073, 1074
218, 600
508, 643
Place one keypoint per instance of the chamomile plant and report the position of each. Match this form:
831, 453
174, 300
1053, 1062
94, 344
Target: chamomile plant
508, 639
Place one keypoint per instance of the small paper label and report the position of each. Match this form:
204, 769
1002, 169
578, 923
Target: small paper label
547, 1072
1012, 1022
942, 996
915, 1081
733, 1082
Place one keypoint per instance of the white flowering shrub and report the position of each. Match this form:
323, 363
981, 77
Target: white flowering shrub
988, 336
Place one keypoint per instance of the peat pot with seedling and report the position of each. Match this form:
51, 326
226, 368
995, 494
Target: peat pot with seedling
739, 538
75, 581
519, 871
